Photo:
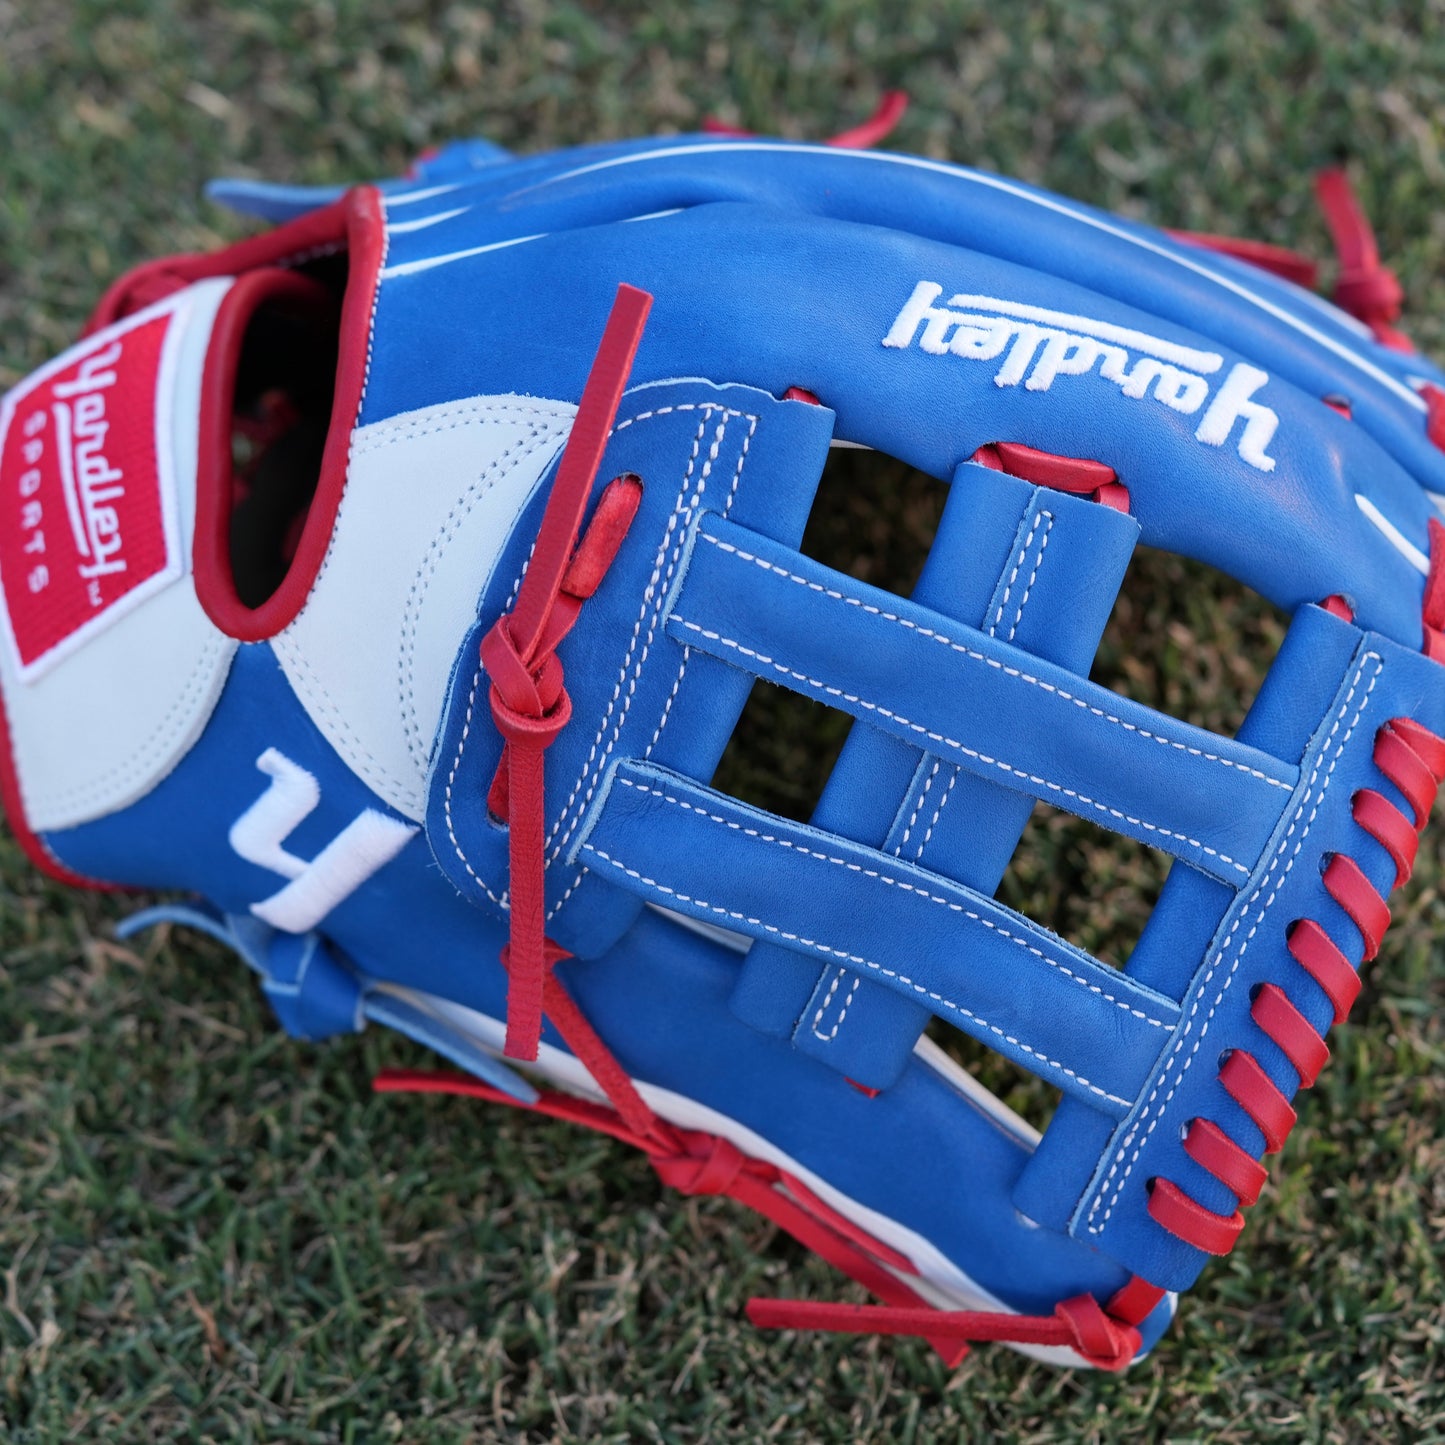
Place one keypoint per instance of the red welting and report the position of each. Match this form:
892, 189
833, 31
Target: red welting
528, 698
1292, 1031
1254, 1091
1174, 1210
1390, 828
1316, 952
1241, 1173
1336, 606
1346, 883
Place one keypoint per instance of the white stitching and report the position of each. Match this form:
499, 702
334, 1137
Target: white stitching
851, 958
958, 746
901, 883
1243, 914
687, 499
991, 662
1033, 577
537, 439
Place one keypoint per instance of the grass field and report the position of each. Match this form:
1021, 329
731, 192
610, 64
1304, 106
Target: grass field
210, 1233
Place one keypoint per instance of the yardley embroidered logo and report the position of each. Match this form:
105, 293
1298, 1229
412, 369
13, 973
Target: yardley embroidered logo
1035, 347
82, 515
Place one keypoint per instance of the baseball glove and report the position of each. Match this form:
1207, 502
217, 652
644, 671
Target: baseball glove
395, 579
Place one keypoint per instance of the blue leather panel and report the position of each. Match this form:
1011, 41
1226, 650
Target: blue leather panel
1379, 681
1024, 991
1058, 561
979, 702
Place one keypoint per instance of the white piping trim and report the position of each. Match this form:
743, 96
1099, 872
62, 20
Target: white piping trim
1392, 534
998, 183
409, 268
399, 228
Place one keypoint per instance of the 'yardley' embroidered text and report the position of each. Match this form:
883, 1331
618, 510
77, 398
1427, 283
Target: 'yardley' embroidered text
1035, 346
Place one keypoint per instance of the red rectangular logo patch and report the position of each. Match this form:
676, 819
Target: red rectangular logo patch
84, 491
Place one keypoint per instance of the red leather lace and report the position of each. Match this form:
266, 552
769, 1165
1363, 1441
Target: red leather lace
879, 126
530, 705
528, 699
1412, 758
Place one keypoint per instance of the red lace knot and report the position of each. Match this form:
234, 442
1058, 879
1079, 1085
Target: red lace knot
529, 701
707, 1164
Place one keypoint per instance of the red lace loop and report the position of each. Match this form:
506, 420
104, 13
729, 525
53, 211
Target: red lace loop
1078, 475
1292, 1031
1316, 952
1346, 883
1242, 1174
1277, 260
1365, 287
1190, 1221
1254, 1091
1390, 828
529, 700
1434, 422
878, 127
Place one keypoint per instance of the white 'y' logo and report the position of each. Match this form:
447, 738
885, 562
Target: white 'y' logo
367, 843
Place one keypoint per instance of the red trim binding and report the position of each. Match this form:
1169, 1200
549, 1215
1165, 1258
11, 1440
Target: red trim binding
529, 702
357, 222
1364, 287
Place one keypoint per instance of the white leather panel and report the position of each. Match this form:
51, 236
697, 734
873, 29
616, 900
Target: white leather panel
105, 723
431, 497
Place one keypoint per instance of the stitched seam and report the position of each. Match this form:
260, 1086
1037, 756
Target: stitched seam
856, 959
652, 597
651, 594
177, 718
901, 883
953, 743
502, 901
993, 662
393, 431
461, 509
1033, 577
1188, 1059
728, 415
